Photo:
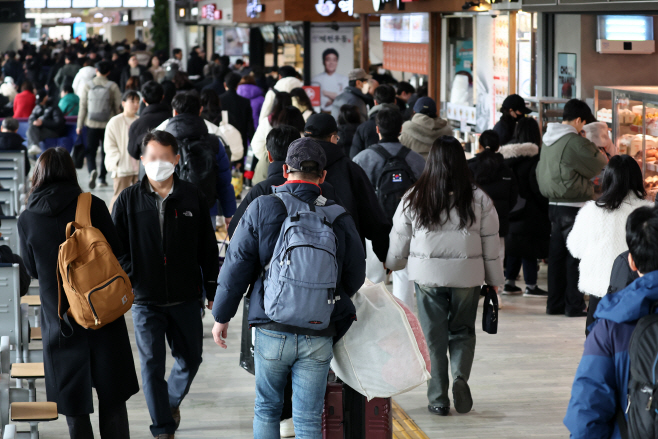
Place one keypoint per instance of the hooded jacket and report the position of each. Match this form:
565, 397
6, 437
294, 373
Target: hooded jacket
597, 237
83, 76
101, 358
567, 163
529, 228
283, 84
69, 104
150, 117
448, 256
255, 95
366, 134
167, 266
600, 387
251, 250
351, 96
498, 181
421, 131
185, 126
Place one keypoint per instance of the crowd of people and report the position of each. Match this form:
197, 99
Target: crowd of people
397, 192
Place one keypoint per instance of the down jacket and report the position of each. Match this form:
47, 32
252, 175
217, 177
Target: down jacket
448, 256
597, 238
600, 387
421, 131
283, 84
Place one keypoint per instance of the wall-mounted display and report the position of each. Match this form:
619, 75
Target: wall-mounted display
38, 4
405, 28
63, 4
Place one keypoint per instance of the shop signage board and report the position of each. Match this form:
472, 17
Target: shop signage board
406, 57
566, 75
332, 58
313, 92
501, 60
325, 7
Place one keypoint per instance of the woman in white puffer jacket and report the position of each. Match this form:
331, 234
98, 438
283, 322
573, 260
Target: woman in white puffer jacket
598, 235
446, 230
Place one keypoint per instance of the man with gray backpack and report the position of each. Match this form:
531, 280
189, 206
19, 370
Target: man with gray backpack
304, 256
100, 100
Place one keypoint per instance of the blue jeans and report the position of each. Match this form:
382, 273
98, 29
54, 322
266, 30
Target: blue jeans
181, 326
276, 355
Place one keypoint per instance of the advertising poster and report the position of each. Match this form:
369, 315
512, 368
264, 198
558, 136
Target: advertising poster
485, 112
219, 41
501, 60
464, 56
566, 75
332, 58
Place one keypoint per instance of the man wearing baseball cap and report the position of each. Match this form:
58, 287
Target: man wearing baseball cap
353, 94
513, 108
283, 347
425, 126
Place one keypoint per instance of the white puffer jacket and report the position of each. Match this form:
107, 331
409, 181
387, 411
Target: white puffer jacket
448, 256
597, 238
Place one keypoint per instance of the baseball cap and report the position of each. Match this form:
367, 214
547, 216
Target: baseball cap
320, 125
358, 74
306, 150
426, 106
516, 103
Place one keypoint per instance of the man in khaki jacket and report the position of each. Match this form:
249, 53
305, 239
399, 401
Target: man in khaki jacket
100, 100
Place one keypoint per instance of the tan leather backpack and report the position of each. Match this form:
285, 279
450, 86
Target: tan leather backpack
97, 288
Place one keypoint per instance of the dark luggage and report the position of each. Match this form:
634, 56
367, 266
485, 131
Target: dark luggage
360, 419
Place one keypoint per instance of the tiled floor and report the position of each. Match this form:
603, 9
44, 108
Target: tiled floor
521, 382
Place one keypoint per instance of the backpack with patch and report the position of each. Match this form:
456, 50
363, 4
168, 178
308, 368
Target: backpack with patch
198, 165
99, 106
642, 408
395, 180
300, 283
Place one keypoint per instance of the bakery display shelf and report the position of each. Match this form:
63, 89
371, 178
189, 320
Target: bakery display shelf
652, 167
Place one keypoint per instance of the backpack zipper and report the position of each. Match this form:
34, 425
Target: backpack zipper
93, 310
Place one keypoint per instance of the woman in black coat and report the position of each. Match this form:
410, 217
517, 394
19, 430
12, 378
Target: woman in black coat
349, 120
530, 229
100, 358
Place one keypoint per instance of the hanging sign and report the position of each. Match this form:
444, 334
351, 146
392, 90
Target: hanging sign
325, 7
313, 92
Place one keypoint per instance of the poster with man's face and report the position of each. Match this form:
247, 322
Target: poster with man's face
332, 58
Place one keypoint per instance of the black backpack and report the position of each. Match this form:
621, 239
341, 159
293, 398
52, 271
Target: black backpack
394, 181
642, 407
198, 165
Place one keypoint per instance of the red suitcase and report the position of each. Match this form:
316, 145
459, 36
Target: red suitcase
332, 415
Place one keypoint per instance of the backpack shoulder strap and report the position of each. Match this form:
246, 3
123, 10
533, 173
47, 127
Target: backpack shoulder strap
403, 153
83, 211
381, 151
293, 204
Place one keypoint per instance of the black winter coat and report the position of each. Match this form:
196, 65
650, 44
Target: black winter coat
52, 117
167, 269
14, 142
150, 117
358, 197
239, 115
530, 230
505, 128
497, 181
346, 134
366, 134
100, 358
274, 178
621, 275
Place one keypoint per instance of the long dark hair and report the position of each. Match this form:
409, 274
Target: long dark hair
302, 98
621, 177
445, 184
527, 131
282, 102
55, 165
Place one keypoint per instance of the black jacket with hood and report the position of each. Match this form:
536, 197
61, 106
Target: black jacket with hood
151, 116
167, 267
99, 358
358, 197
497, 181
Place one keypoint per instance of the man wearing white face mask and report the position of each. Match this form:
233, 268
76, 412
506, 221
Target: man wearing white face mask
171, 256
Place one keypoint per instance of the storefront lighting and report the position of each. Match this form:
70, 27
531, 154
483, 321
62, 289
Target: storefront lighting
471, 4
125, 18
194, 12
98, 15
181, 12
145, 23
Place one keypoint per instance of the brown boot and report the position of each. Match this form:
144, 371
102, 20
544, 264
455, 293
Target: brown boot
175, 413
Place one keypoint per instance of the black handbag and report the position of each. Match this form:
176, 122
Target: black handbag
246, 345
78, 152
489, 310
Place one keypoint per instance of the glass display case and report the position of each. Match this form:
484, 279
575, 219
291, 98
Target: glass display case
632, 115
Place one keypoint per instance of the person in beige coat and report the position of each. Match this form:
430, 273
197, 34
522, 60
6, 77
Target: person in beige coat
419, 133
445, 231
123, 169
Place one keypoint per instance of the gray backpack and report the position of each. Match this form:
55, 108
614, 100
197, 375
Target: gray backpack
301, 281
98, 102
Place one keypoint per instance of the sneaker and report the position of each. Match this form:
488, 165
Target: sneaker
34, 150
511, 290
461, 395
102, 183
287, 428
535, 292
175, 413
440, 411
92, 179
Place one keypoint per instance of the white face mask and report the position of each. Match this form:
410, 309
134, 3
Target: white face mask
158, 170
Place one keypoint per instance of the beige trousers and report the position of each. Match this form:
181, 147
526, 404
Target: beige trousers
120, 183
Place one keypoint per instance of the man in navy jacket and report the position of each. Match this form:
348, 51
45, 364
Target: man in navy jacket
600, 387
305, 352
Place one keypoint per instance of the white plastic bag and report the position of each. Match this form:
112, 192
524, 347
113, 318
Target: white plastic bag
379, 356
231, 136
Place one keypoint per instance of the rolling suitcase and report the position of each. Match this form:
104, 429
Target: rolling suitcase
332, 415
